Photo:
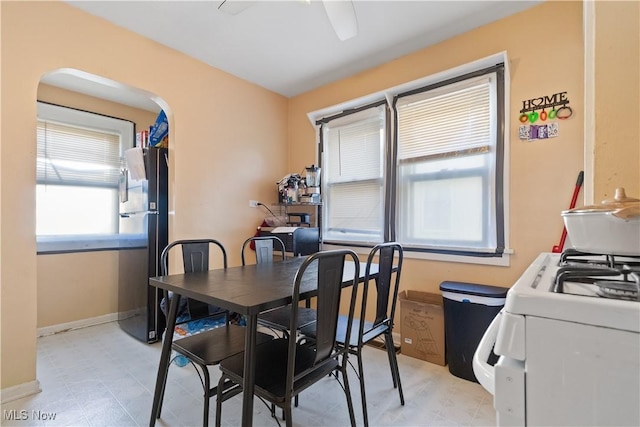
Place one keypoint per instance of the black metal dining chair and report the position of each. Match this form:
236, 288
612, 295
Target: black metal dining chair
209, 347
387, 283
195, 258
278, 319
263, 247
285, 367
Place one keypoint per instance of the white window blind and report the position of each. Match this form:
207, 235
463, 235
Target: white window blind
445, 122
72, 155
353, 176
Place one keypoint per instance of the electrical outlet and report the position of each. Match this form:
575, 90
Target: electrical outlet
253, 203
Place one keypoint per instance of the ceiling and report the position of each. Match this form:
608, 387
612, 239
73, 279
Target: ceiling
290, 47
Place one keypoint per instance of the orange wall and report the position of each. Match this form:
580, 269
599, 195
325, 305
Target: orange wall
617, 95
542, 173
226, 136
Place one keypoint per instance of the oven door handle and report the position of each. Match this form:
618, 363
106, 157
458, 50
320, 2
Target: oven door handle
484, 372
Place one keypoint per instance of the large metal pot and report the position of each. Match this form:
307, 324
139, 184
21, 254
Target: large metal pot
612, 227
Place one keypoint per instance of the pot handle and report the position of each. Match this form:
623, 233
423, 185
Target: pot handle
627, 213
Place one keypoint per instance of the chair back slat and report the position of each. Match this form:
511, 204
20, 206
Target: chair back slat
330, 271
264, 251
264, 247
330, 277
195, 259
195, 254
387, 282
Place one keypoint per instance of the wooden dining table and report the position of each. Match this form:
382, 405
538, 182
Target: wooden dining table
248, 290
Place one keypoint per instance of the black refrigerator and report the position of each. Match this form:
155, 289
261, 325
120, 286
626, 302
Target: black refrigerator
143, 223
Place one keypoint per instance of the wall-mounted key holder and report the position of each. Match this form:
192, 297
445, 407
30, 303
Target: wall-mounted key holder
535, 111
546, 102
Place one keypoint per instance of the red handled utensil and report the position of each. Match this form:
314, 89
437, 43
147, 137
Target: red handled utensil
559, 247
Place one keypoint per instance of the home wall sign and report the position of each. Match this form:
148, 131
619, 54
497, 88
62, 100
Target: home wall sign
535, 109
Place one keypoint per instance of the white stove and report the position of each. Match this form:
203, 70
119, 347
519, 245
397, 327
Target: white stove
569, 343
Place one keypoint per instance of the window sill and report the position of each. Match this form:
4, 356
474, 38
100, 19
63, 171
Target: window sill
66, 244
503, 261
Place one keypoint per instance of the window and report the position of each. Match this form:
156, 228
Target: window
435, 182
447, 149
77, 178
353, 169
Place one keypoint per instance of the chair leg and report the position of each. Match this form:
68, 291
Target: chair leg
288, 418
207, 387
273, 411
388, 344
347, 392
365, 415
393, 364
219, 401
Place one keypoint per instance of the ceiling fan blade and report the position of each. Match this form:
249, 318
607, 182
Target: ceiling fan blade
342, 16
235, 7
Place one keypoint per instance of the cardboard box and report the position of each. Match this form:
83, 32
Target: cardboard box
422, 326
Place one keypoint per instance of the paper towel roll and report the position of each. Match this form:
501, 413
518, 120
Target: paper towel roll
135, 161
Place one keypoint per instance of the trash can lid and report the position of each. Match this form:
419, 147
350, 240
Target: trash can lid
474, 289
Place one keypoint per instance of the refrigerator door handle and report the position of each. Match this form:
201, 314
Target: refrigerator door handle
124, 185
129, 214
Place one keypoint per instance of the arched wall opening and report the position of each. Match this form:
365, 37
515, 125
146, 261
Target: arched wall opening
80, 288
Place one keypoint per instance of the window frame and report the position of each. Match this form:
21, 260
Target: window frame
67, 243
499, 258
499, 208
381, 180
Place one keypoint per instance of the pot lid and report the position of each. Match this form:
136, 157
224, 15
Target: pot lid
620, 198
620, 206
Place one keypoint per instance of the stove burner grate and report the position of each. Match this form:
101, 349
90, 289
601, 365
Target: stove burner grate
617, 289
602, 271
574, 257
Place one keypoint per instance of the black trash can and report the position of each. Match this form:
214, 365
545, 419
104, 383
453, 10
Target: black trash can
469, 308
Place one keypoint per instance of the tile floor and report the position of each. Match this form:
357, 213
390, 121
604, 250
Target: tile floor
100, 376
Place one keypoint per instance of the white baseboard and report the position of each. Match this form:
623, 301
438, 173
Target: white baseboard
26, 389
19, 391
77, 324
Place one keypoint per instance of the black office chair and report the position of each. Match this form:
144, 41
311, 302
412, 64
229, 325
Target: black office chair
285, 367
278, 320
365, 331
212, 346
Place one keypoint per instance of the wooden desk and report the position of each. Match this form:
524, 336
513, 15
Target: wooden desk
248, 290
